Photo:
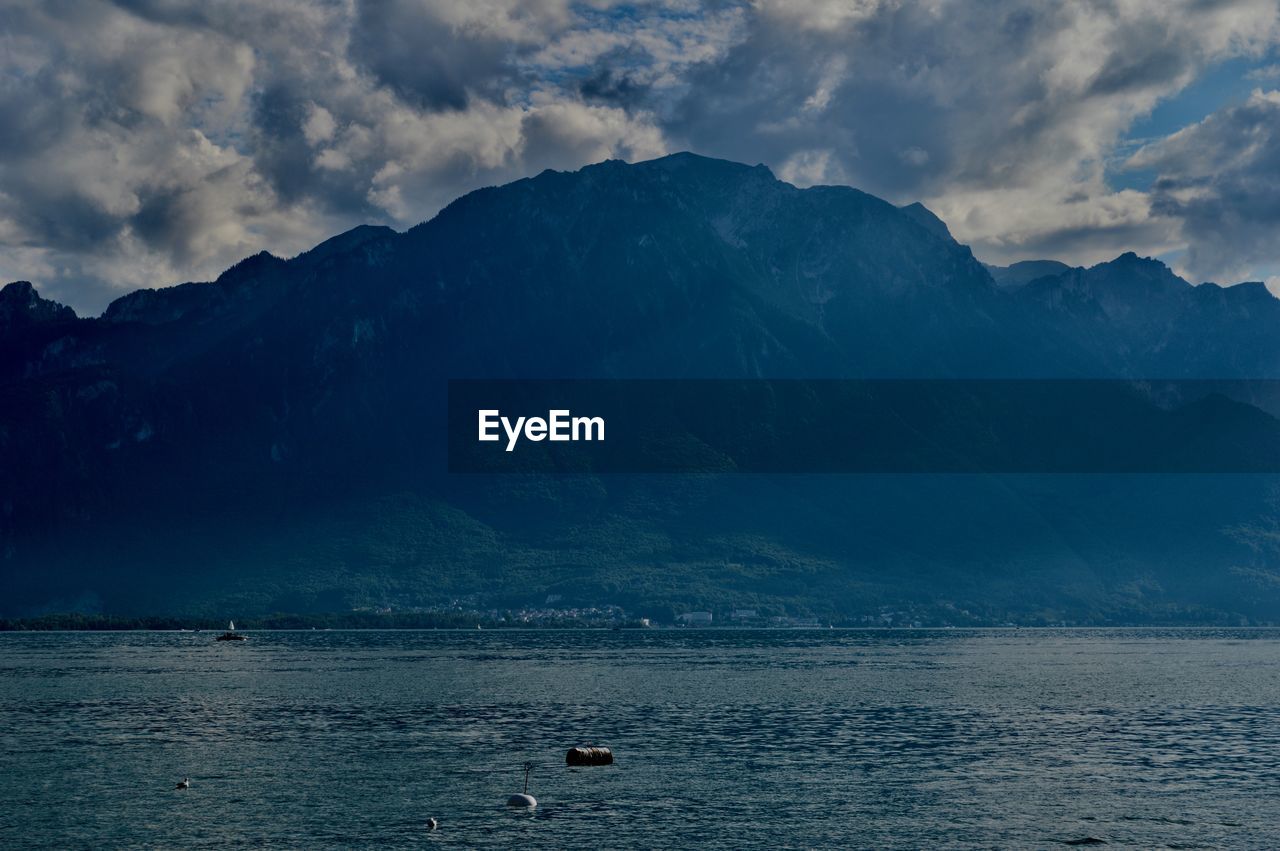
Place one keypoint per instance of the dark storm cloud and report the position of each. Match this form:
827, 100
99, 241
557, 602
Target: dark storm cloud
409, 47
609, 86
148, 141
279, 117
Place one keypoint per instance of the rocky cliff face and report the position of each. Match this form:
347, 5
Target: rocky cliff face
1139, 319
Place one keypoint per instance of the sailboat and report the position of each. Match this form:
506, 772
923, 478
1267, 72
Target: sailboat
231, 634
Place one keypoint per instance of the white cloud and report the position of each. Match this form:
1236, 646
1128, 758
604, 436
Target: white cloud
319, 126
816, 167
1266, 72
144, 142
914, 156
163, 142
1001, 116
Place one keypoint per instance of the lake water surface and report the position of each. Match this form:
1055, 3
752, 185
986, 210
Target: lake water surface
723, 739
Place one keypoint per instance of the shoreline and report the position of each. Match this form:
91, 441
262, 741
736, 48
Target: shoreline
677, 629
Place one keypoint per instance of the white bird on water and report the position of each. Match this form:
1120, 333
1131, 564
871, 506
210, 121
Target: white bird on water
185, 784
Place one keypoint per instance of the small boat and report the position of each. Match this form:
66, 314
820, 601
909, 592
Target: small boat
231, 634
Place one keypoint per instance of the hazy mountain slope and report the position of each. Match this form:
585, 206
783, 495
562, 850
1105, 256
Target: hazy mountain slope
1025, 271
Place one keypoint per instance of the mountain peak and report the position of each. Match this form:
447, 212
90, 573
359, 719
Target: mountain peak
168, 304
1149, 275
346, 241
688, 159
250, 267
686, 164
21, 307
928, 218
1131, 260
18, 290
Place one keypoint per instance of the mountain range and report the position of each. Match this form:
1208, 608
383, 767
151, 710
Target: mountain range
273, 440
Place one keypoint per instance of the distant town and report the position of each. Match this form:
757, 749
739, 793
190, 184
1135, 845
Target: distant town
554, 612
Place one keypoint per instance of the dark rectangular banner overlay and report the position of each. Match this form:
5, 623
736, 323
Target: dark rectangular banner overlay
863, 426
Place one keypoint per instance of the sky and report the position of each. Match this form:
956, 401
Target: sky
149, 142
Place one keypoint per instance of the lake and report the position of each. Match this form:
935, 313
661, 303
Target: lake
723, 739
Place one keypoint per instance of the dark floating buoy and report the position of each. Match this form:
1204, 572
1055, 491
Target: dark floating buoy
589, 756
524, 799
432, 824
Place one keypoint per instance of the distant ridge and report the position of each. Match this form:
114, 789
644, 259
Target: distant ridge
1025, 271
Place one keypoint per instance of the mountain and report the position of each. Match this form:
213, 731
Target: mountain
929, 219
21, 307
273, 440
1138, 318
1025, 271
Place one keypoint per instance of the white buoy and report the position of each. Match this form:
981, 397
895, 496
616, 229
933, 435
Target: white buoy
185, 784
432, 824
524, 799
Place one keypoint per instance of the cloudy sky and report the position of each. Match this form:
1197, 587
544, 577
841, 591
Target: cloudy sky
147, 142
